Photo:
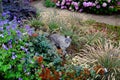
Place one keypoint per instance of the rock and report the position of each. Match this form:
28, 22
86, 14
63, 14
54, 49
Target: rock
60, 41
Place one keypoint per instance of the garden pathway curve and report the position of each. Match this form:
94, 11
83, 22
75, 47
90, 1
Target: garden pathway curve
64, 14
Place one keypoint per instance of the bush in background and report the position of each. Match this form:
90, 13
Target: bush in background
91, 6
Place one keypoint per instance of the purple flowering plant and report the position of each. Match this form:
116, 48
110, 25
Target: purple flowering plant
15, 61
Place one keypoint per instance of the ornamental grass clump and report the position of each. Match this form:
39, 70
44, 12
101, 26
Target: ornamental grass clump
107, 55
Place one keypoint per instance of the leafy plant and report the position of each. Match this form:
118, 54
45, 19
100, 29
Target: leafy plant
14, 63
53, 26
42, 47
36, 23
49, 3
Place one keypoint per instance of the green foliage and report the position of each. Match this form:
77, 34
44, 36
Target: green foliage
49, 3
42, 47
15, 62
1, 8
36, 23
53, 26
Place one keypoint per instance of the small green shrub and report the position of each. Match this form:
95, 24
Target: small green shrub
53, 26
36, 23
49, 3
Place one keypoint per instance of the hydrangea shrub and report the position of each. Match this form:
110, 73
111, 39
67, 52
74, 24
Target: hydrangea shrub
91, 6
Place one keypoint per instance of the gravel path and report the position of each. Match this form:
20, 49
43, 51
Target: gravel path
64, 14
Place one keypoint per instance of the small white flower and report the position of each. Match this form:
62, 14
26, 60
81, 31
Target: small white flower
1, 35
105, 70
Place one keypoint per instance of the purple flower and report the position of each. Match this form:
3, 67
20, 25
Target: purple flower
85, 4
9, 33
14, 56
10, 43
76, 7
4, 47
1, 23
4, 14
67, 3
62, 7
80, 10
5, 21
27, 27
69, 0
90, 4
63, 2
20, 79
14, 26
118, 3
42, 66
98, 6
10, 46
29, 30
58, 4
1, 28
8, 28
24, 49
19, 34
104, 4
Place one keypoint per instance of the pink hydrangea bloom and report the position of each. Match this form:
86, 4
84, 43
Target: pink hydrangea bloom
85, 4
67, 3
63, 2
94, 4
98, 6
108, 1
80, 10
104, 4
118, 3
57, 4
90, 4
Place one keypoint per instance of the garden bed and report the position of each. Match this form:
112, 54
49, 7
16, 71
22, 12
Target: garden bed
88, 51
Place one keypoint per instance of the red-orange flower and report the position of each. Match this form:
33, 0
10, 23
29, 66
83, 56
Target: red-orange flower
45, 75
40, 59
86, 71
56, 75
34, 35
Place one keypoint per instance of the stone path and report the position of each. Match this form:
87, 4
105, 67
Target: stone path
64, 14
